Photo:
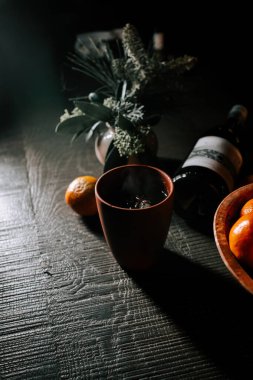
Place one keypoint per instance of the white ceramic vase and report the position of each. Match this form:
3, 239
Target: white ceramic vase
102, 143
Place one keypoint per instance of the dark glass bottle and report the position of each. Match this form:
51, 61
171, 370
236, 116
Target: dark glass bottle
210, 171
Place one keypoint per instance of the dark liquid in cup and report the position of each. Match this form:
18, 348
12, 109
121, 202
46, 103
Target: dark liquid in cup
138, 201
138, 191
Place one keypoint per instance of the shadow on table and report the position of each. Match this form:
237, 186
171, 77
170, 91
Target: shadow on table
93, 224
214, 311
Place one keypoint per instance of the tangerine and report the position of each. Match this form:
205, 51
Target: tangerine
241, 239
80, 195
247, 208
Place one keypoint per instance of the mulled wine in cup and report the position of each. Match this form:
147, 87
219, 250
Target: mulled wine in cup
135, 205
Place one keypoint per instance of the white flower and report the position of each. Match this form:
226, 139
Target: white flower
127, 144
75, 112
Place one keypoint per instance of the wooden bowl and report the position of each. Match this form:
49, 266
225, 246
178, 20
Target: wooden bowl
226, 214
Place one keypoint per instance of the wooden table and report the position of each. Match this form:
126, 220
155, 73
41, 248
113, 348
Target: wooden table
67, 309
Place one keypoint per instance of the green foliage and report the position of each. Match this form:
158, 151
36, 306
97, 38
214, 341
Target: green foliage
125, 124
95, 111
74, 124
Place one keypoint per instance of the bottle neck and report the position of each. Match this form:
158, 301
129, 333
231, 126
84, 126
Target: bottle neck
238, 111
235, 123
237, 117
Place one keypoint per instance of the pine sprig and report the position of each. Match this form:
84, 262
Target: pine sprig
97, 64
177, 66
134, 50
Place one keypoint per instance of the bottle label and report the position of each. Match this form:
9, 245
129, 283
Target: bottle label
217, 154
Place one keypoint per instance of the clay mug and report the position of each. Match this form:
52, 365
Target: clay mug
135, 206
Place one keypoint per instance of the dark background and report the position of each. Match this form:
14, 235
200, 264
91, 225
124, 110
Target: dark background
36, 36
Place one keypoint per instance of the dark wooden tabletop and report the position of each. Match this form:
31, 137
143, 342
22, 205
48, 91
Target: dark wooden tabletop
67, 309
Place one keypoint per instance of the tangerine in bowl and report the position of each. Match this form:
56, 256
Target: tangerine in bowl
233, 233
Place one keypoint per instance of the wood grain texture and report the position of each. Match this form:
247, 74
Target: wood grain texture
27, 349
68, 311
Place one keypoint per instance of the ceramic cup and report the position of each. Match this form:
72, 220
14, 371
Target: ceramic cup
135, 205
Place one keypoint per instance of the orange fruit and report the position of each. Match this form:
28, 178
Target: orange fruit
241, 239
80, 195
247, 208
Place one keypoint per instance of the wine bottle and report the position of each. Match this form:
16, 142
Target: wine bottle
210, 171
